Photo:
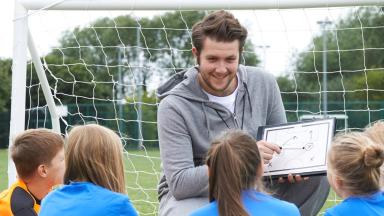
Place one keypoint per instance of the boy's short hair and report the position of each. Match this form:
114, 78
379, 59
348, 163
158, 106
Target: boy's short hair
34, 147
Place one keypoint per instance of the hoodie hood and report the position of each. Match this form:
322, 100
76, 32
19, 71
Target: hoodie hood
188, 122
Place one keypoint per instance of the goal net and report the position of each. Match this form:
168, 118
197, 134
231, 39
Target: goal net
103, 64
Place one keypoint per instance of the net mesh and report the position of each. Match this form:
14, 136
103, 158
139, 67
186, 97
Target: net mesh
104, 67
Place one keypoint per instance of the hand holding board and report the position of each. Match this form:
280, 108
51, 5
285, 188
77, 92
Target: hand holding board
304, 147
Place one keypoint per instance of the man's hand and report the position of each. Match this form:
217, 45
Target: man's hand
293, 179
267, 150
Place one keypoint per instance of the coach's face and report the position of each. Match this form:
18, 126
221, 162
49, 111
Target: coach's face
218, 63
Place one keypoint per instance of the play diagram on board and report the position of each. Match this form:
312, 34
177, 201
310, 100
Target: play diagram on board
303, 147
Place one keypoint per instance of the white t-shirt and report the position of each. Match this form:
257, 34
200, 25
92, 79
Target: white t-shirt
226, 101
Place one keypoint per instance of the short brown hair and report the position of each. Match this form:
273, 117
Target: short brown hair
221, 26
34, 147
356, 160
95, 154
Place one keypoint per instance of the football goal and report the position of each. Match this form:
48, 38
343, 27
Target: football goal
100, 61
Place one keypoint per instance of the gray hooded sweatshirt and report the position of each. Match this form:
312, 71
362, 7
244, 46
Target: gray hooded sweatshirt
188, 121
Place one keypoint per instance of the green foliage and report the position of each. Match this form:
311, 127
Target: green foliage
355, 75
85, 65
148, 120
83, 70
5, 87
287, 88
5, 100
172, 44
354, 55
366, 86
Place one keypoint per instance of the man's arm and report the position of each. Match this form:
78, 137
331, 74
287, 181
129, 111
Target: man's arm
276, 114
183, 178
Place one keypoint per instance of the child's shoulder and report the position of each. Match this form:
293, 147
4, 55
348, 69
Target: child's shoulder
18, 187
362, 205
91, 191
4, 193
344, 208
209, 209
270, 202
16, 198
256, 203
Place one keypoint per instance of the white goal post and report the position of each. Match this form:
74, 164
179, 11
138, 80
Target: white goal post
187, 4
24, 41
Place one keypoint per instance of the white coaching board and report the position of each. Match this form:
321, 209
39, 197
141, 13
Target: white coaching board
304, 147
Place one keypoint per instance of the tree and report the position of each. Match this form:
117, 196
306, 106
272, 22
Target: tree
83, 69
5, 100
148, 121
354, 51
89, 55
5, 87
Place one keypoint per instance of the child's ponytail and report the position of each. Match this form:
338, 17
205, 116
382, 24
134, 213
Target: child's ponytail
234, 164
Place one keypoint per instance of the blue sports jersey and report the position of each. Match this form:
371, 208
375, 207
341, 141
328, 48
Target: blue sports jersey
372, 205
84, 198
255, 203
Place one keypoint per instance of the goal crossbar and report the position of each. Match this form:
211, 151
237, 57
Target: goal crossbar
25, 11
188, 4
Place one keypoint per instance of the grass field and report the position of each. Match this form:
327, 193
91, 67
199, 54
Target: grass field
3, 169
143, 173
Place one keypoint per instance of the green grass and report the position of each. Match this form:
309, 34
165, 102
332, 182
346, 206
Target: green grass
3, 169
142, 175
332, 200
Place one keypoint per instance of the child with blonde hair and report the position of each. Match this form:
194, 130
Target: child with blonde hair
235, 171
354, 162
38, 155
376, 133
94, 176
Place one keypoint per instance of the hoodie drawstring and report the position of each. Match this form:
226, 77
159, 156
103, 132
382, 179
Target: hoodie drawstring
249, 98
221, 117
243, 112
206, 121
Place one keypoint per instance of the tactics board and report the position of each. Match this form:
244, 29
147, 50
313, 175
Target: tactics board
304, 147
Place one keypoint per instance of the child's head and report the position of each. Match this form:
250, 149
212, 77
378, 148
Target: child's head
94, 154
375, 131
235, 165
38, 155
354, 162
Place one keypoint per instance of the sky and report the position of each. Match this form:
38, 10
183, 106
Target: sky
6, 35
277, 34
